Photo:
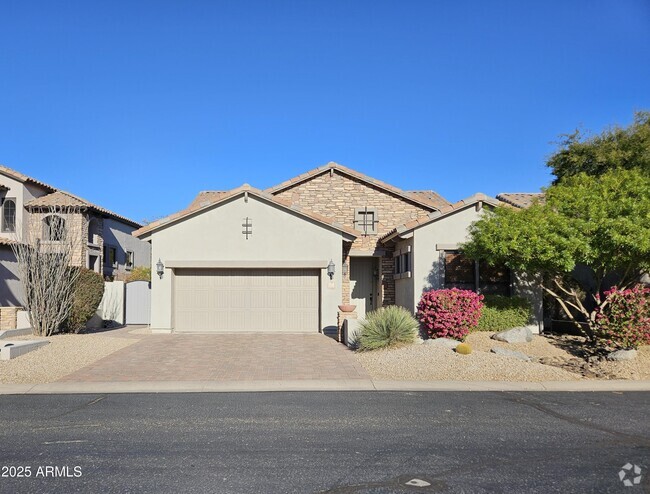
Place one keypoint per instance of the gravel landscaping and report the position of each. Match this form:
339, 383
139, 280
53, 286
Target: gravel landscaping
66, 353
551, 361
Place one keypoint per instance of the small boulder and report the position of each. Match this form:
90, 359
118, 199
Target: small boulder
510, 353
443, 343
620, 355
515, 335
418, 340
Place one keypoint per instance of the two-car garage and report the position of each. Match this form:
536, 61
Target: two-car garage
245, 262
224, 300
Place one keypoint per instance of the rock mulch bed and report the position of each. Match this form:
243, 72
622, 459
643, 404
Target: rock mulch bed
66, 353
553, 358
432, 363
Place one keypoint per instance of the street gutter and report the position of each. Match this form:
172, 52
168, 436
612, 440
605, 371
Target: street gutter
317, 385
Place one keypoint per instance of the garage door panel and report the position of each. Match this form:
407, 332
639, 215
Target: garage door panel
273, 300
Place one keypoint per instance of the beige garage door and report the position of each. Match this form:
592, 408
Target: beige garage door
276, 300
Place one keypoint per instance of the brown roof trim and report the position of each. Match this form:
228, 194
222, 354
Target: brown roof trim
62, 198
198, 207
435, 216
16, 175
415, 197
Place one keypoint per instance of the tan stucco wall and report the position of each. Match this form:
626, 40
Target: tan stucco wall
427, 264
216, 235
22, 193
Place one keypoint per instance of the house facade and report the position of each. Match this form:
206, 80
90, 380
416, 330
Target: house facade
102, 239
285, 259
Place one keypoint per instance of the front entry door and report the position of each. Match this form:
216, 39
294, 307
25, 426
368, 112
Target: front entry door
363, 286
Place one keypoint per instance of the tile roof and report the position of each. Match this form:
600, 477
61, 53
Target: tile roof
209, 199
207, 196
425, 198
520, 199
62, 198
16, 175
432, 197
436, 215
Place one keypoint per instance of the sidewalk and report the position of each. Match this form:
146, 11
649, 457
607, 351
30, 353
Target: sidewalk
316, 385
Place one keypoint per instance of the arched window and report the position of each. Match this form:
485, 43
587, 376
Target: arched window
9, 215
53, 228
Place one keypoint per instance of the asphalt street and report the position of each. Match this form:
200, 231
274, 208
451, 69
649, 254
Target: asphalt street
335, 442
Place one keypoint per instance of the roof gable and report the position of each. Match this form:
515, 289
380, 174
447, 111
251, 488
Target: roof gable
210, 199
62, 198
20, 177
437, 215
428, 199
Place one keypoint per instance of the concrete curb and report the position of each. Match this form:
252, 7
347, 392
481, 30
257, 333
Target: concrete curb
316, 385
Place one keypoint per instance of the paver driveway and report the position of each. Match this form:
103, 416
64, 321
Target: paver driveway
225, 357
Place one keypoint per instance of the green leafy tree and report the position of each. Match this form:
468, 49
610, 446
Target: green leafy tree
615, 148
600, 223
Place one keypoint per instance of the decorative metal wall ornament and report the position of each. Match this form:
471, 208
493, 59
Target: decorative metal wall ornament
365, 224
248, 227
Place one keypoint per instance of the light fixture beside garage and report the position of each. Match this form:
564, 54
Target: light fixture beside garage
160, 268
330, 269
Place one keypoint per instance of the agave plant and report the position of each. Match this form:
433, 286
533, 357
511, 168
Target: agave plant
387, 327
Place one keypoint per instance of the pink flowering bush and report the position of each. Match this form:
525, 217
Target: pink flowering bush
623, 320
449, 313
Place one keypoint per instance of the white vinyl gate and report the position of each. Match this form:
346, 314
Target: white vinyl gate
138, 302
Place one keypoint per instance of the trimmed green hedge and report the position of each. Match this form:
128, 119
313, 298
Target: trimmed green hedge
500, 313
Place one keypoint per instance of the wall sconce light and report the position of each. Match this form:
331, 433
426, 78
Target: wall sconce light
160, 268
330, 269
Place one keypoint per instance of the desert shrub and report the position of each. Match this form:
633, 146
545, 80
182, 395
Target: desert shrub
449, 313
386, 327
501, 313
140, 273
624, 321
88, 292
464, 349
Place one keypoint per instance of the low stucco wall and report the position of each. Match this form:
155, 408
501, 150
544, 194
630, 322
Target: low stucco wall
216, 235
111, 308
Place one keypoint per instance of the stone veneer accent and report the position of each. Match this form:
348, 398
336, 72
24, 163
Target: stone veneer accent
340, 320
9, 317
78, 223
336, 195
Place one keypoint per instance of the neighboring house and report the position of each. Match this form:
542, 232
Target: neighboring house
103, 240
285, 258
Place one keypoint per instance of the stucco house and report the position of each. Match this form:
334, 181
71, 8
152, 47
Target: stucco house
103, 238
284, 259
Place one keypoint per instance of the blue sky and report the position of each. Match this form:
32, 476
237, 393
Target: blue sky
139, 105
